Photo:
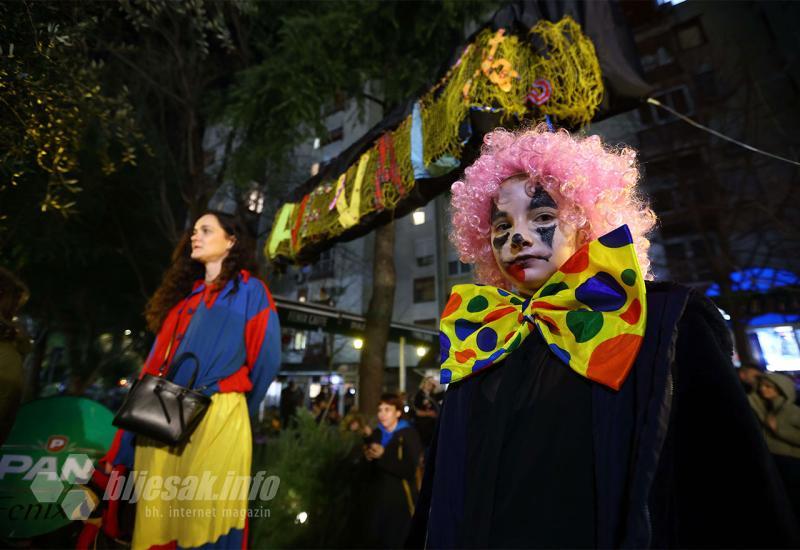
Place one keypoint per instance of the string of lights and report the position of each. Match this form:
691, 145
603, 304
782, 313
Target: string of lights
696, 124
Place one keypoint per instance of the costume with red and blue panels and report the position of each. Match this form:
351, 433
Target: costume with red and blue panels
235, 334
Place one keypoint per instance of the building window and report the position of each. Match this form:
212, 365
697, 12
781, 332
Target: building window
688, 258
656, 52
299, 340
661, 57
338, 104
429, 323
662, 186
323, 267
255, 201
455, 267
423, 250
690, 34
337, 134
424, 290
668, 200
328, 295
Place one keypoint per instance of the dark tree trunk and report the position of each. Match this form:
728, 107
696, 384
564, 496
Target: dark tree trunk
201, 185
740, 338
738, 320
379, 317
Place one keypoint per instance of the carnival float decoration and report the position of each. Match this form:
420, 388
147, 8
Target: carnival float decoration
553, 74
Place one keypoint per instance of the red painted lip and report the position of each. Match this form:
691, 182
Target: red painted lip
517, 271
516, 267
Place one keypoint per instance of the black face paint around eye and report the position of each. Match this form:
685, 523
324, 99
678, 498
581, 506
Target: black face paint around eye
546, 234
498, 242
541, 199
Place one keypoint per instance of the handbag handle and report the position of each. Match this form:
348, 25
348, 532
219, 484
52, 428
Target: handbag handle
176, 365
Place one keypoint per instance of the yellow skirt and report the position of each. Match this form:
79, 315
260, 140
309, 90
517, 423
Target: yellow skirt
198, 495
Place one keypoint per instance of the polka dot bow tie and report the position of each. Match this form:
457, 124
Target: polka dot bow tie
591, 313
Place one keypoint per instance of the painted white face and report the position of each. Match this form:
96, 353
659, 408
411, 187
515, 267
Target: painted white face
528, 240
210, 242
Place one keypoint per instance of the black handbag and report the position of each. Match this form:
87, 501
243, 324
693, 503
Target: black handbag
158, 408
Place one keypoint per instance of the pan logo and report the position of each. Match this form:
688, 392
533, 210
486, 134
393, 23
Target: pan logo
57, 493
46, 464
57, 443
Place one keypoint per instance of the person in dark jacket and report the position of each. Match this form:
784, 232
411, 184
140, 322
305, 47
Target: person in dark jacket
291, 400
778, 415
779, 419
393, 451
749, 375
14, 345
587, 407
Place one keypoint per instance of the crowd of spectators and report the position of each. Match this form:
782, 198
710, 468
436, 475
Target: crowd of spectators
772, 396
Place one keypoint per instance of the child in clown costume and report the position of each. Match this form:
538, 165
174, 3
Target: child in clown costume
587, 405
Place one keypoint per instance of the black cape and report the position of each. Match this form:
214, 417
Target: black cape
530, 454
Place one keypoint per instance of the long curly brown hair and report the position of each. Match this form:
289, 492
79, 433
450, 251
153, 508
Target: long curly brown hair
184, 271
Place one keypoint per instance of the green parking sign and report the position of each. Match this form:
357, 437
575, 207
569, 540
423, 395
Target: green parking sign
48, 455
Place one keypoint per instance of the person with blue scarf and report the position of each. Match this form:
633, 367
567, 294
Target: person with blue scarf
393, 452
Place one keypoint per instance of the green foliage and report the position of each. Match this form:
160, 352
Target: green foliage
90, 272
173, 56
109, 81
319, 473
51, 97
105, 108
111, 76
311, 52
205, 21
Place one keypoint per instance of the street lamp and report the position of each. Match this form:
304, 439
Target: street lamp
421, 351
255, 201
418, 216
358, 343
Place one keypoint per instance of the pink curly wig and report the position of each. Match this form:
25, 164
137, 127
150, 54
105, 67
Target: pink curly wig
594, 185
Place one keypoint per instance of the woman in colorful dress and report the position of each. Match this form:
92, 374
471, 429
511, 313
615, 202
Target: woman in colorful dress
212, 305
586, 407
